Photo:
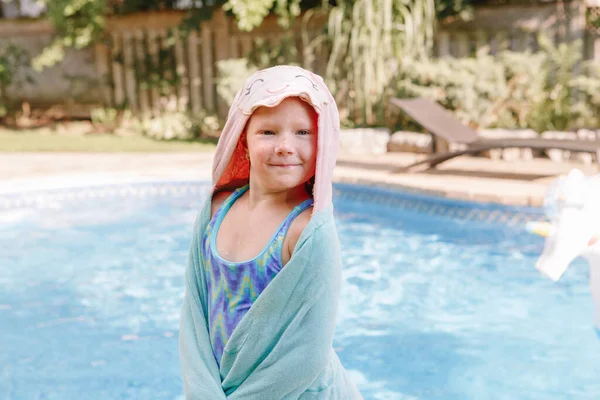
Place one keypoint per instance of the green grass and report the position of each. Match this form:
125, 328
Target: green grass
30, 141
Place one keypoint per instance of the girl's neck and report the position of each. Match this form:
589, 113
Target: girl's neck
259, 196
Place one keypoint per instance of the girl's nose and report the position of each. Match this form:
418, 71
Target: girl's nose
284, 146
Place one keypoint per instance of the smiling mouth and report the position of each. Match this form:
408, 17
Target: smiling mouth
285, 165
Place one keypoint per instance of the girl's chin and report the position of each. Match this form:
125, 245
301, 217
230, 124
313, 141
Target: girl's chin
284, 178
283, 183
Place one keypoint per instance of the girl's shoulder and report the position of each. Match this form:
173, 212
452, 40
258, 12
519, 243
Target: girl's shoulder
217, 201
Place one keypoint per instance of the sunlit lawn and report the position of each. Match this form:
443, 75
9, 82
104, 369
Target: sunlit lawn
32, 140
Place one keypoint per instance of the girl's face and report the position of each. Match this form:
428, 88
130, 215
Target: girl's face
282, 144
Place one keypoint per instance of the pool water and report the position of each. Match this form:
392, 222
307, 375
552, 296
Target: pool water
431, 307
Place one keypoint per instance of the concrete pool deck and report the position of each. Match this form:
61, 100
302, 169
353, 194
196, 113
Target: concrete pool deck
469, 178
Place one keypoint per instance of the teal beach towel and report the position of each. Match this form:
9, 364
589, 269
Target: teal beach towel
282, 348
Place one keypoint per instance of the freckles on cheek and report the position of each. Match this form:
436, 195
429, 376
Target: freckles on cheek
261, 154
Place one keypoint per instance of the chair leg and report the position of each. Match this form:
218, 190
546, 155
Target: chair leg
439, 158
408, 168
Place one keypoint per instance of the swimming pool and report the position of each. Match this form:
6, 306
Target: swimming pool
440, 298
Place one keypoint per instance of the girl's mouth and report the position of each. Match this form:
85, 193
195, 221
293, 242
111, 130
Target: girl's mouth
285, 165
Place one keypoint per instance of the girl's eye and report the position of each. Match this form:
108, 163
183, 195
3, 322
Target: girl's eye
303, 132
268, 133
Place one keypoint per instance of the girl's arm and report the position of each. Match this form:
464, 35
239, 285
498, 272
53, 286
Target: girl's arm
293, 234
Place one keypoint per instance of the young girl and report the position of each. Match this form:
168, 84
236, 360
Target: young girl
264, 271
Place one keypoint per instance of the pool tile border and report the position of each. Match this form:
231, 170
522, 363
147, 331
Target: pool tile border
440, 206
48, 198
407, 200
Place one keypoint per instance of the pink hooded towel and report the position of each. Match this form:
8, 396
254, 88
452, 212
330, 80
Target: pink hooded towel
268, 88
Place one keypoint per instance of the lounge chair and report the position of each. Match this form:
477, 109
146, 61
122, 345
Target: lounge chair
442, 123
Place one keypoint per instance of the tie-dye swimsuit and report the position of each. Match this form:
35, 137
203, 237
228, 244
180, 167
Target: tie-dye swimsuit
233, 287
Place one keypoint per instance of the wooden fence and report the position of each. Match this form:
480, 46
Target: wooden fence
135, 40
142, 49
492, 30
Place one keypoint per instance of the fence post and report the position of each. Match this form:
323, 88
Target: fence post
195, 78
207, 67
234, 47
246, 40
117, 71
183, 91
481, 43
222, 44
499, 42
462, 44
101, 53
443, 44
141, 67
520, 40
130, 84
153, 53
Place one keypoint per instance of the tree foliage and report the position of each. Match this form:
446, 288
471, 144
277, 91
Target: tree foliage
510, 89
250, 14
369, 41
12, 60
79, 23
364, 41
462, 9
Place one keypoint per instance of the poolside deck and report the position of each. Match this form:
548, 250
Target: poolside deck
469, 178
